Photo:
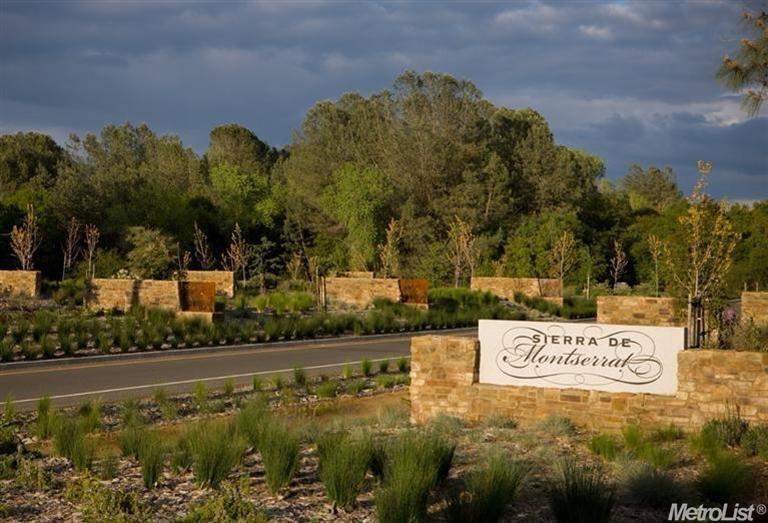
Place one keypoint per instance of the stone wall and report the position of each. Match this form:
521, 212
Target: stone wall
20, 282
360, 292
639, 310
120, 294
224, 280
444, 379
506, 287
754, 307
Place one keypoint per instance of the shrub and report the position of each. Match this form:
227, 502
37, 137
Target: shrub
657, 456
98, 503
726, 478
232, 504
385, 381
45, 419
414, 463
9, 410
580, 494
605, 446
365, 367
726, 430
490, 488
446, 424
108, 467
644, 484
579, 307
215, 450
754, 442
402, 364
669, 433
32, 475
251, 422
280, 454
327, 389
151, 457
343, 464
384, 366
500, 422
355, 387
299, 376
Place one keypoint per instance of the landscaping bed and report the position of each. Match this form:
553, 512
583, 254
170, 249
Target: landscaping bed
340, 448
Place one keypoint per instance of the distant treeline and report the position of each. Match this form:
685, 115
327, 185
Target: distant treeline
427, 179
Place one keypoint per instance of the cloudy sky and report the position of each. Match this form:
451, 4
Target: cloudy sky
632, 81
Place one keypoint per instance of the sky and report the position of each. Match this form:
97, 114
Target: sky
631, 81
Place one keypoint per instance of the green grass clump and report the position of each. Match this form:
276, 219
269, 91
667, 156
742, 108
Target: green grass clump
277, 382
402, 364
580, 494
725, 431
327, 389
69, 440
347, 371
343, 464
152, 459
300, 376
280, 454
727, 478
45, 418
365, 367
355, 387
90, 414
215, 450
754, 442
414, 463
633, 437
200, 395
229, 387
490, 488
557, 426
665, 434
384, 366
605, 446
131, 440
500, 422
643, 484
252, 421
385, 381
257, 384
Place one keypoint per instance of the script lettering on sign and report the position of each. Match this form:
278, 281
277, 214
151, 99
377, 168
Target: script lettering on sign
617, 358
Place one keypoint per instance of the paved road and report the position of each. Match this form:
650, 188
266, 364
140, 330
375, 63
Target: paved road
116, 378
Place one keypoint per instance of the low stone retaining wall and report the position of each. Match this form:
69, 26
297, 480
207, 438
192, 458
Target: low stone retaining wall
506, 288
177, 296
639, 310
754, 307
444, 379
20, 282
360, 292
224, 280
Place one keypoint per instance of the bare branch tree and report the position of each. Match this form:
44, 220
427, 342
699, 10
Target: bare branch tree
389, 251
202, 249
295, 266
71, 247
91, 241
461, 242
183, 258
237, 254
618, 262
656, 248
563, 256
26, 239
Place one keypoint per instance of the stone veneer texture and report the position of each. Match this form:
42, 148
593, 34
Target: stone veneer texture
361, 292
20, 282
444, 380
505, 288
639, 310
754, 306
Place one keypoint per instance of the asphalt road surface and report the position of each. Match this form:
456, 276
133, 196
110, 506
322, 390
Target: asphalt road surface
121, 377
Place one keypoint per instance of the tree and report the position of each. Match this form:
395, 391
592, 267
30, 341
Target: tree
701, 252
182, 262
618, 262
237, 147
92, 235
656, 249
150, 256
654, 188
28, 159
203, 249
748, 69
563, 256
461, 244
71, 247
238, 254
389, 251
356, 199
261, 261
25, 239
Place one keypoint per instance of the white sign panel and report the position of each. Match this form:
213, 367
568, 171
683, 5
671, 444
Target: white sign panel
614, 358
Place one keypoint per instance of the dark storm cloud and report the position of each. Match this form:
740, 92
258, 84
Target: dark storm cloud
631, 81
